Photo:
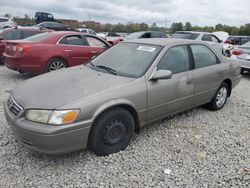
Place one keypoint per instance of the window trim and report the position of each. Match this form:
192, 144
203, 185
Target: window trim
190, 58
82, 37
218, 61
85, 36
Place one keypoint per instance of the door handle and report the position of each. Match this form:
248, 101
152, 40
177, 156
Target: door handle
220, 73
68, 50
93, 51
189, 81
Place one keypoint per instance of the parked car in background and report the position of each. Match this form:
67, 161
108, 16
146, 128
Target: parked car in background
92, 32
210, 38
52, 51
242, 54
145, 34
6, 23
16, 33
43, 16
54, 26
99, 106
238, 40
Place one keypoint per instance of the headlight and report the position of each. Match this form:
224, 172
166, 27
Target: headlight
58, 117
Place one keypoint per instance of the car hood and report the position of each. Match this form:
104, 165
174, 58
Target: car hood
56, 89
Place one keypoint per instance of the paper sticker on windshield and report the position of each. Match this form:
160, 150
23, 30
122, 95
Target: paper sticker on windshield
146, 48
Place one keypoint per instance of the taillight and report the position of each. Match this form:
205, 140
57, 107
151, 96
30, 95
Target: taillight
23, 48
237, 52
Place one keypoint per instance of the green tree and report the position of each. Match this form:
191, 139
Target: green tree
188, 26
178, 26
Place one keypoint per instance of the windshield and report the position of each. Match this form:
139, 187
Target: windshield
134, 35
39, 37
128, 59
191, 36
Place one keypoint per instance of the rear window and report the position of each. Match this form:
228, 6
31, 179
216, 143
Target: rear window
12, 35
191, 36
27, 34
38, 37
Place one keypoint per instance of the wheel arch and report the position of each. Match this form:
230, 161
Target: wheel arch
121, 104
229, 83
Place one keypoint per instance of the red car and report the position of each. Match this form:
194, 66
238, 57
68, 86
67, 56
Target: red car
17, 33
52, 51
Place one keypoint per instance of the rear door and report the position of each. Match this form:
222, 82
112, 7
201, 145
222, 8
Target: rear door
75, 48
208, 73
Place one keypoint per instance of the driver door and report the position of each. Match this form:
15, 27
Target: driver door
168, 96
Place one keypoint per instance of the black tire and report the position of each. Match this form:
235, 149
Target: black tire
111, 132
242, 71
228, 54
55, 64
215, 104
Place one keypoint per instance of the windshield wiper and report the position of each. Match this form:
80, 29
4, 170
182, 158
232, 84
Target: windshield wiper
92, 65
108, 69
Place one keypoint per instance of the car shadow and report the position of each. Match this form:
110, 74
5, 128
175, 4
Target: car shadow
246, 75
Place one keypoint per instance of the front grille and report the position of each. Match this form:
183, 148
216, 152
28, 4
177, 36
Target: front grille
13, 106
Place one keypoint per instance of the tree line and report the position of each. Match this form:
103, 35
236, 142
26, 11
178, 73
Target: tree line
134, 27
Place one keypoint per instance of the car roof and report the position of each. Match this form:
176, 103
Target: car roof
163, 41
196, 32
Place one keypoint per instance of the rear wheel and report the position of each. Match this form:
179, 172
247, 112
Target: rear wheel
111, 132
56, 64
220, 98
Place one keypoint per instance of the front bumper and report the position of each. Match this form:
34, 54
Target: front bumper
49, 139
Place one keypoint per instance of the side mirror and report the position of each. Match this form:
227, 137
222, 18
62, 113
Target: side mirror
161, 75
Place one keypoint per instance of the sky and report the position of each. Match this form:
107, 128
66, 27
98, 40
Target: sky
161, 12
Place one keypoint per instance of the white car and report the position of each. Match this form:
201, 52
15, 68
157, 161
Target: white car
6, 23
91, 31
242, 54
215, 39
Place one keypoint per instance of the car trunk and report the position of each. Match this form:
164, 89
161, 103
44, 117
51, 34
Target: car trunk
17, 48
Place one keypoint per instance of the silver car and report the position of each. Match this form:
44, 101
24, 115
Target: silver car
6, 23
242, 54
99, 106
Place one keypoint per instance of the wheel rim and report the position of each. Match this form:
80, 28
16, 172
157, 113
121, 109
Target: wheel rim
115, 132
221, 97
56, 65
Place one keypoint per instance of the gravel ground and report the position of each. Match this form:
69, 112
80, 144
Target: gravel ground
198, 148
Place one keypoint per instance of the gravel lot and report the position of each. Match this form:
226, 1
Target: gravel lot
198, 148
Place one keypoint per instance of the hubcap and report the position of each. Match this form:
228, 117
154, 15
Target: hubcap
114, 133
221, 97
56, 65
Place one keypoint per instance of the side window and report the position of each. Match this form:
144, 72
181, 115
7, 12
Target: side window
215, 39
206, 37
72, 40
155, 35
146, 35
176, 60
203, 56
3, 20
95, 42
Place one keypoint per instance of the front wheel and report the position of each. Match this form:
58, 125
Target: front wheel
220, 98
111, 132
